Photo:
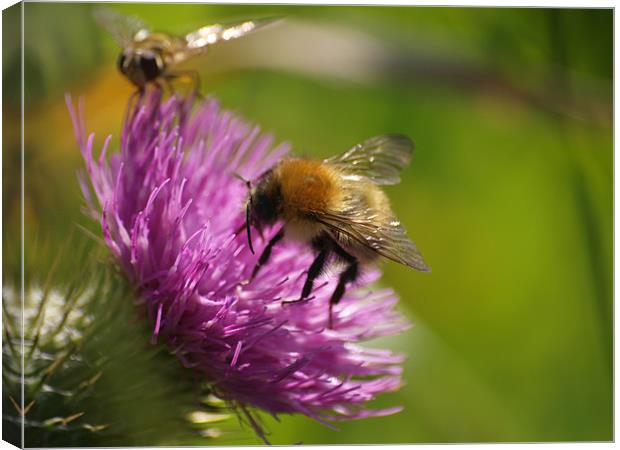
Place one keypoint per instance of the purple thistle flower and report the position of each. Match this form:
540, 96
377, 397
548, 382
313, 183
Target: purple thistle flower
169, 205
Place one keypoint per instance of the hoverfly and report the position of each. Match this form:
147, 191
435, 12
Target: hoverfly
336, 207
149, 57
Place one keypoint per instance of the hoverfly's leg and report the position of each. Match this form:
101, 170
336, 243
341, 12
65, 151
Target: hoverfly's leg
322, 245
194, 79
132, 105
264, 257
184, 105
166, 84
160, 85
349, 275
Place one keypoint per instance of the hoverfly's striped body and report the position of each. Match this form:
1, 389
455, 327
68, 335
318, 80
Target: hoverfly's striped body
148, 57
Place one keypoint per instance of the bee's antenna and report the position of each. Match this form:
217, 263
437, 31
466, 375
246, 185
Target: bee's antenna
248, 211
245, 180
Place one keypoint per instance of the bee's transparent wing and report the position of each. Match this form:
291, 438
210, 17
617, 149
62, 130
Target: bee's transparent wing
212, 34
379, 159
123, 29
377, 232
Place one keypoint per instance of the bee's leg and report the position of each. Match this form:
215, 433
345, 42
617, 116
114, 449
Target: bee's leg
322, 245
349, 275
264, 257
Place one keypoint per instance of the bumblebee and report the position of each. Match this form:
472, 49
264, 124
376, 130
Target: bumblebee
337, 207
148, 57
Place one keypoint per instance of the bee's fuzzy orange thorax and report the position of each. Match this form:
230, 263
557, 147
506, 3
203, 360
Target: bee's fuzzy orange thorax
307, 186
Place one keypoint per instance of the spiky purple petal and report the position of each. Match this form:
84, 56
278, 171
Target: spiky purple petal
169, 204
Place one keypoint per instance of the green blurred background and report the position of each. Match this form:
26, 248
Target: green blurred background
509, 195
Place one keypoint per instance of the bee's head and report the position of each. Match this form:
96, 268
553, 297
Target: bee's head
266, 199
263, 206
140, 65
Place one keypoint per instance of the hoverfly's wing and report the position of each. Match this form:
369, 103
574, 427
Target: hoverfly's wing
379, 159
124, 29
375, 231
199, 40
